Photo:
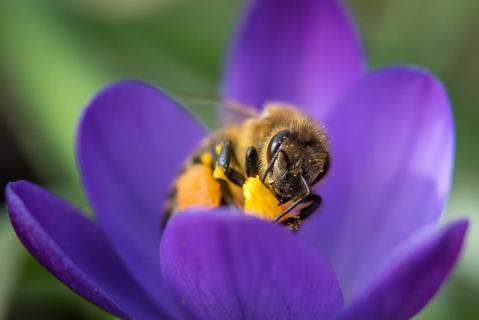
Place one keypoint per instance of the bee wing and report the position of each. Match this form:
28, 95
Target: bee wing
232, 111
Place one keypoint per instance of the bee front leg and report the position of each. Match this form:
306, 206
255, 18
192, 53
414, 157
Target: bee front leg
305, 212
294, 221
223, 162
251, 162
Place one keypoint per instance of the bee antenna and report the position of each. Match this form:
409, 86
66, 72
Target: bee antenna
269, 167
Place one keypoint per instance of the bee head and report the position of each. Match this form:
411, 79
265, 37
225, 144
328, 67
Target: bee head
296, 154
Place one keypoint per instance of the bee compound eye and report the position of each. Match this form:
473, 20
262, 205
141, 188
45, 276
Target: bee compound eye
276, 142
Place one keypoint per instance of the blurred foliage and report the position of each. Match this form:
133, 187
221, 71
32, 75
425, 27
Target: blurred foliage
41, 296
11, 257
54, 56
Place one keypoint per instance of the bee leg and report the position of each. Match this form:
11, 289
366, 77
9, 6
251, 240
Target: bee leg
291, 207
251, 162
299, 201
294, 221
223, 162
305, 212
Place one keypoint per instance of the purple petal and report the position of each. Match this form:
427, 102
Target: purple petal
305, 52
76, 252
132, 142
411, 277
392, 157
223, 265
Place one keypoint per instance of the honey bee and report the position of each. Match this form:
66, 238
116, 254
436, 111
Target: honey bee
280, 153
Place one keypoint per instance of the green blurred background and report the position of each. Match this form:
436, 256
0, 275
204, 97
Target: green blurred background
54, 55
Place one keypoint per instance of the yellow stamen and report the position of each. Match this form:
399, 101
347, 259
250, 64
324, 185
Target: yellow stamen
259, 200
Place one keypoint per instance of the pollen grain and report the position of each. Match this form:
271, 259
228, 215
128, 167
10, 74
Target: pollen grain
197, 187
259, 200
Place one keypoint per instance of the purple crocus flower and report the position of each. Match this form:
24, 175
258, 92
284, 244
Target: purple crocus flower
373, 250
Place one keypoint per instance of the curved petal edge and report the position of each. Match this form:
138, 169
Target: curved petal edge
306, 52
392, 156
413, 275
131, 143
222, 265
75, 250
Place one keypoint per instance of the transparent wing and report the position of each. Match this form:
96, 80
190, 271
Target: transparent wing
232, 111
